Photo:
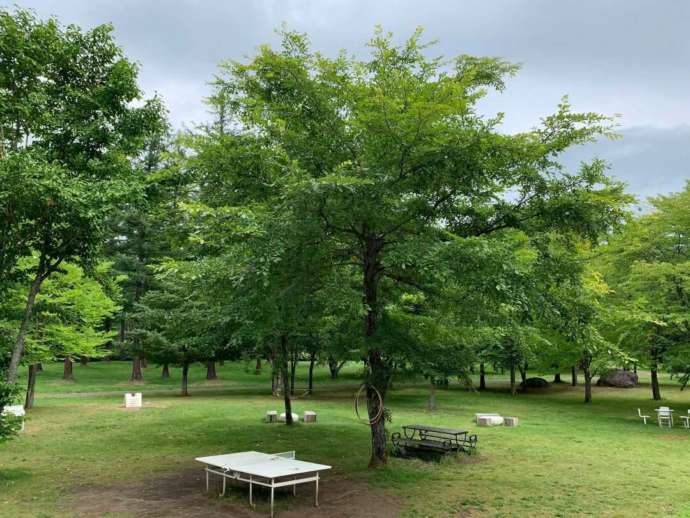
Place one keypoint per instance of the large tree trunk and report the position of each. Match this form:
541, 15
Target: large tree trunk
312, 360
513, 387
211, 370
185, 373
557, 378
165, 373
136, 369
573, 376
67, 369
482, 377
286, 380
379, 373
656, 391
18, 350
31, 386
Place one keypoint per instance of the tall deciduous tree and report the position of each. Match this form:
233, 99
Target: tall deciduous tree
68, 126
394, 157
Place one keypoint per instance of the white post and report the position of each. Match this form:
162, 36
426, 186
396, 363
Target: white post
251, 502
223, 493
272, 490
316, 493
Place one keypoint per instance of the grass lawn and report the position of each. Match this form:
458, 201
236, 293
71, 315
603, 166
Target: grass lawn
565, 458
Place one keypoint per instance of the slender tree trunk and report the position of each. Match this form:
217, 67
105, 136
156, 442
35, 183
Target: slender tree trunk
334, 367
165, 373
83, 361
656, 391
523, 372
67, 369
144, 362
293, 372
18, 350
588, 384
221, 362
286, 380
513, 387
635, 367
431, 405
312, 360
39, 367
573, 376
257, 367
211, 370
185, 373
482, 377
31, 386
136, 369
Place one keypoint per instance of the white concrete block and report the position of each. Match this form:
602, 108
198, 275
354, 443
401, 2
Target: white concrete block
309, 416
133, 400
510, 421
271, 416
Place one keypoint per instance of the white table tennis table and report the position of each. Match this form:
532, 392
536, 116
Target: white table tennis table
264, 469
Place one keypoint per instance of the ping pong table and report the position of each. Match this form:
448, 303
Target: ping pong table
264, 469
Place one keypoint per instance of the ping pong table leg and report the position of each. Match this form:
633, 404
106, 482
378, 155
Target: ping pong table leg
316, 492
223, 493
272, 490
251, 501
294, 488
206, 479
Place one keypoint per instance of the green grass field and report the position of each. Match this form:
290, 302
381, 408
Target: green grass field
565, 458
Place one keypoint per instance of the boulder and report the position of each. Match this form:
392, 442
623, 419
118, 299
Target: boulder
534, 383
618, 378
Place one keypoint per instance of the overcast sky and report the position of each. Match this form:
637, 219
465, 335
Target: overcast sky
627, 57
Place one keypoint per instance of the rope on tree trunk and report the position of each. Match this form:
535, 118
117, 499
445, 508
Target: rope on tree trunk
379, 414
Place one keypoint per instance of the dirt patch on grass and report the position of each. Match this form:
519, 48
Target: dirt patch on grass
183, 495
673, 437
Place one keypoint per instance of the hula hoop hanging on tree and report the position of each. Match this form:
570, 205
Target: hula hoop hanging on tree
379, 414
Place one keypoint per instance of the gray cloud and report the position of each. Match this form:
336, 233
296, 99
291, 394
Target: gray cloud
610, 56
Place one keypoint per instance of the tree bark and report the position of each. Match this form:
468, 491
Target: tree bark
573, 376
312, 360
293, 371
39, 367
557, 378
513, 387
379, 373
67, 369
185, 372
18, 350
431, 405
144, 362
136, 369
165, 373
334, 367
211, 370
286, 380
31, 386
656, 391
523, 372
588, 384
482, 377
257, 367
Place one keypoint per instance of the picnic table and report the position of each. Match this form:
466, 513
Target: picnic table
264, 469
433, 438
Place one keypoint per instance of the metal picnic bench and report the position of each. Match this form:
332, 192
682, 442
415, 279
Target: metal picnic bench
417, 437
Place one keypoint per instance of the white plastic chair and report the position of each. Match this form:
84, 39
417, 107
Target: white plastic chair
686, 420
665, 416
645, 417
